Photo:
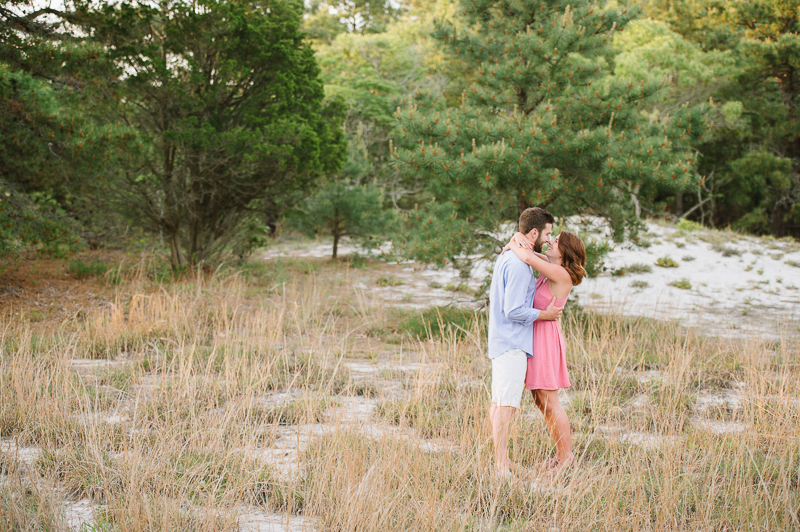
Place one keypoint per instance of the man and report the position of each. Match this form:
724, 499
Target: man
511, 317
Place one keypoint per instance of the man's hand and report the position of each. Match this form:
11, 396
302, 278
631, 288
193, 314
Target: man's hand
551, 313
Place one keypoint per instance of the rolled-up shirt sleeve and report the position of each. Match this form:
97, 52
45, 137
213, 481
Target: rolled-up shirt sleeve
515, 306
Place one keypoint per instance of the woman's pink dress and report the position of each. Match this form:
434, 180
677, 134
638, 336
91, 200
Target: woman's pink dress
547, 368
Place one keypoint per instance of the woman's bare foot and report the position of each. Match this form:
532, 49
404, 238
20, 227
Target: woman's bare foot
549, 464
505, 469
562, 465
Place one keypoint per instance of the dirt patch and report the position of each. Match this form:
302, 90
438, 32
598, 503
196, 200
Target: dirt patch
43, 293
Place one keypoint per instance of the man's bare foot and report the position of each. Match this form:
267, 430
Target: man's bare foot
549, 464
569, 463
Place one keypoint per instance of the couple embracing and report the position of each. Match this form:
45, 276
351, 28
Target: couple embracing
526, 346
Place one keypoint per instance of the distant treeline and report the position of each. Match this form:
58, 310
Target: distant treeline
201, 127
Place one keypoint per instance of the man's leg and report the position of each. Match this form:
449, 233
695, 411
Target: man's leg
492, 410
501, 422
508, 383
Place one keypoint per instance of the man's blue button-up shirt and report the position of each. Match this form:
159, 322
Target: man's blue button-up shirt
511, 312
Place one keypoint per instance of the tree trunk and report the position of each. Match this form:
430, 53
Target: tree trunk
777, 224
271, 214
176, 254
522, 204
335, 243
678, 204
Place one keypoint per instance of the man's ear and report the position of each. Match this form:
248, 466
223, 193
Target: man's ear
534, 234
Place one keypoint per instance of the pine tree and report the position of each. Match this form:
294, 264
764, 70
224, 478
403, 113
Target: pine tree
546, 123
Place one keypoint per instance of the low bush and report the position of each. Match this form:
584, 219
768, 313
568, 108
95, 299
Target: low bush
683, 284
666, 262
689, 226
83, 270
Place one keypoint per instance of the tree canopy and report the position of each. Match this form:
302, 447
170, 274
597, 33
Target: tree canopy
547, 122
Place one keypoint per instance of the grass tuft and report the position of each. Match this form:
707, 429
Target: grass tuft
666, 262
389, 280
639, 267
683, 284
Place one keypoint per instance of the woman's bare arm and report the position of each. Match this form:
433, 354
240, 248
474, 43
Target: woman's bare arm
552, 271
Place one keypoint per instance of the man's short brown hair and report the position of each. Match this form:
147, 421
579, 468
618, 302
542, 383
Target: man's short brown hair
534, 218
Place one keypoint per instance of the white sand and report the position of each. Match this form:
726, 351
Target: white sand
755, 291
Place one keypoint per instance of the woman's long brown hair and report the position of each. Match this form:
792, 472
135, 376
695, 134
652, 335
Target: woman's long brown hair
573, 256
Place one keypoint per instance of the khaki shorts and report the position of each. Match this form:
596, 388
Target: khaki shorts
508, 377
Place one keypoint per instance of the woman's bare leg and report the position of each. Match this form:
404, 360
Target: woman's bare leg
558, 423
552, 462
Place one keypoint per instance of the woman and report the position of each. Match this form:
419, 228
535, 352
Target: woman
561, 267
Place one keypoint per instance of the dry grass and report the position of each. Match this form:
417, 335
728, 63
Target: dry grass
231, 391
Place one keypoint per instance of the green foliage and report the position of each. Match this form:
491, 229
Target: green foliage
341, 209
688, 225
374, 73
25, 224
650, 48
325, 20
435, 321
639, 284
235, 117
750, 159
596, 251
82, 270
344, 207
252, 234
55, 158
537, 128
666, 262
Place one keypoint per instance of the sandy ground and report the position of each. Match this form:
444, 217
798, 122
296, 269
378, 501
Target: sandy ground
737, 283
754, 288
